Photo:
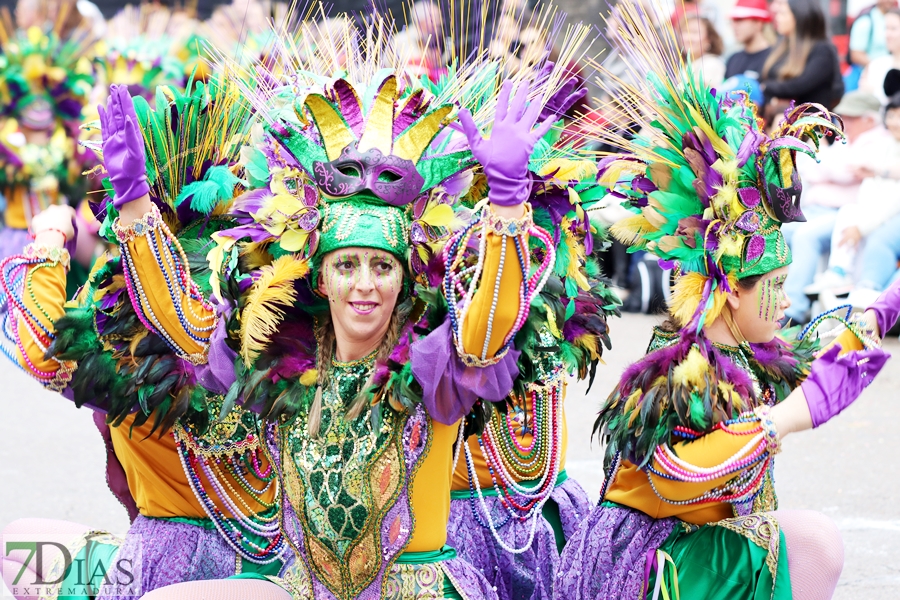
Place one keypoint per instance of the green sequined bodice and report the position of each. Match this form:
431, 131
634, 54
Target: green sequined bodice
343, 481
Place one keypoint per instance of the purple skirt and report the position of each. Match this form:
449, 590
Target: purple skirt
525, 576
171, 552
605, 558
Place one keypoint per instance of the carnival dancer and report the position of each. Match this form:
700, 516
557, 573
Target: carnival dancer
513, 505
45, 80
688, 507
202, 497
369, 333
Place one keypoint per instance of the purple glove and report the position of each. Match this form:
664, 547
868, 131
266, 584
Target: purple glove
564, 98
123, 147
835, 382
887, 308
505, 154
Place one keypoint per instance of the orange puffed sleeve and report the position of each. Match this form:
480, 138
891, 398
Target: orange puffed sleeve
632, 486
478, 323
44, 298
168, 305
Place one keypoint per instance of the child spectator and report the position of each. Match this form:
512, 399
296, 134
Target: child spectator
748, 21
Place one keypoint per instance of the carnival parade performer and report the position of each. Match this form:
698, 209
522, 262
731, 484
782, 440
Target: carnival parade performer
46, 78
688, 507
202, 497
375, 296
513, 506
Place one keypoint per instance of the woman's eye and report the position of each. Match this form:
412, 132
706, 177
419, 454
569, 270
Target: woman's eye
384, 267
345, 265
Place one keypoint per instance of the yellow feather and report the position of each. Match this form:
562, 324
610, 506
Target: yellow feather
692, 371
589, 343
616, 171
731, 245
309, 378
686, 297
261, 315
576, 257
631, 229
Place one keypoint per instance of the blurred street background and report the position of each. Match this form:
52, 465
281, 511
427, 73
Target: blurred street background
52, 462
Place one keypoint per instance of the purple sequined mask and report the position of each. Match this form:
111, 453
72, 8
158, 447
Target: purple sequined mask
390, 178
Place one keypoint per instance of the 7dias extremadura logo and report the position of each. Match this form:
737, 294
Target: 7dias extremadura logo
51, 566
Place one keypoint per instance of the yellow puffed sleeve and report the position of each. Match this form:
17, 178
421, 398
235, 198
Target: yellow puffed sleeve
508, 297
162, 295
44, 298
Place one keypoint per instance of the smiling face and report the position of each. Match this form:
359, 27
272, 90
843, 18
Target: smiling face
362, 286
758, 308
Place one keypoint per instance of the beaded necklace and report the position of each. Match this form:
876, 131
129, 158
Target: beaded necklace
229, 454
511, 461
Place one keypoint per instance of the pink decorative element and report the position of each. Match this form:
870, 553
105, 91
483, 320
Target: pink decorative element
749, 196
749, 221
754, 249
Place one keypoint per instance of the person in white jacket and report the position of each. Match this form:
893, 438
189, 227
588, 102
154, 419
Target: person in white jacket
878, 202
830, 183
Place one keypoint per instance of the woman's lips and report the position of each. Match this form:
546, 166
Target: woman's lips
363, 308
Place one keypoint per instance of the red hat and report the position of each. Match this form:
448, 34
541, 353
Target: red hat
751, 9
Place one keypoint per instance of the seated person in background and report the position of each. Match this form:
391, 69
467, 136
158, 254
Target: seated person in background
827, 185
702, 44
877, 206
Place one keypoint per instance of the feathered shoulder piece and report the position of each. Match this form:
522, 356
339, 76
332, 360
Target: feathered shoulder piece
708, 187
688, 381
123, 368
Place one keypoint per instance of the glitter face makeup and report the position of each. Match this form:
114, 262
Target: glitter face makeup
362, 286
770, 296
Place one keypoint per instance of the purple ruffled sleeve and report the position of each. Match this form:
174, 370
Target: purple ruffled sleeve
450, 387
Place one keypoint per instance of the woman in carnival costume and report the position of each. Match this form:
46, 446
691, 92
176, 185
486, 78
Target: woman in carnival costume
45, 81
688, 507
202, 496
376, 294
512, 504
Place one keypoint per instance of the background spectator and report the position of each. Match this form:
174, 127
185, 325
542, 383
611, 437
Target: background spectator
828, 185
702, 44
872, 79
877, 205
803, 66
748, 21
867, 36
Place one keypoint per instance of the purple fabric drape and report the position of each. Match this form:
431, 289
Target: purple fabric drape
449, 386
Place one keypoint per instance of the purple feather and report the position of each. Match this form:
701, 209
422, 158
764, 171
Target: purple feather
410, 112
349, 105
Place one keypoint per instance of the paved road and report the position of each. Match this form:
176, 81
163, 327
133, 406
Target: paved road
52, 463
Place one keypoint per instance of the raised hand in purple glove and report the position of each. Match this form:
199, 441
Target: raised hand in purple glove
123, 147
835, 382
887, 308
564, 98
505, 154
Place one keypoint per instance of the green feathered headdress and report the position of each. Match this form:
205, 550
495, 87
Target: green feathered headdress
709, 188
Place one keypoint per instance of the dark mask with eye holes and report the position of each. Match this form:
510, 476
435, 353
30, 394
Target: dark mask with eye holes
392, 179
